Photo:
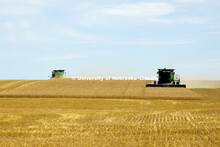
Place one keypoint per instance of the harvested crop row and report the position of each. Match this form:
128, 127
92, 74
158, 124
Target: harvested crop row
112, 122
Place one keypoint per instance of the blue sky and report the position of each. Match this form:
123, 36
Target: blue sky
109, 38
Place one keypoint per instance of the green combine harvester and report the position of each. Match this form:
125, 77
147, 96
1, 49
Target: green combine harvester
167, 78
58, 73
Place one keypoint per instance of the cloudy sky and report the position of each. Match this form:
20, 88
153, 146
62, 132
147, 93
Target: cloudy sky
109, 38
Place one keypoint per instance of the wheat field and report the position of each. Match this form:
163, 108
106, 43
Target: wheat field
124, 113
68, 88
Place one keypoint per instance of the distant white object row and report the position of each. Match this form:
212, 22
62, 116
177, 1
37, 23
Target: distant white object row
114, 78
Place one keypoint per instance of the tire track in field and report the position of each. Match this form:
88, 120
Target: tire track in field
9, 83
6, 86
208, 124
197, 125
27, 84
126, 90
14, 85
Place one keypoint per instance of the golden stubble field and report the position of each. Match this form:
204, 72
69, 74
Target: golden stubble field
68, 88
127, 115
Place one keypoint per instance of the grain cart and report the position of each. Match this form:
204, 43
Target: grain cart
167, 78
58, 73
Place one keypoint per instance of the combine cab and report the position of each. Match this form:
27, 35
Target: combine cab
58, 73
167, 78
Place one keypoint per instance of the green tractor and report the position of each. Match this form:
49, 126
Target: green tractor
167, 78
58, 73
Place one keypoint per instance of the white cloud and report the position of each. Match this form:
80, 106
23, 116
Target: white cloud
78, 36
63, 57
21, 24
17, 10
139, 9
132, 14
15, 25
7, 25
213, 27
190, 1
24, 7
192, 20
214, 32
57, 34
32, 2
157, 43
14, 54
185, 20
71, 56
25, 24
161, 20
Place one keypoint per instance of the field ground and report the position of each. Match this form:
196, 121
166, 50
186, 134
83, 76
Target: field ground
67, 88
179, 117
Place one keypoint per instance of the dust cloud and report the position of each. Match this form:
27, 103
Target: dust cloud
201, 83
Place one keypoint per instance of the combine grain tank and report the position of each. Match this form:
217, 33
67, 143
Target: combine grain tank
58, 73
167, 78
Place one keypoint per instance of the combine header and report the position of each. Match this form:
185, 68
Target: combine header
167, 78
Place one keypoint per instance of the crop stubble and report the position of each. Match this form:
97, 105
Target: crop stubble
111, 122
97, 89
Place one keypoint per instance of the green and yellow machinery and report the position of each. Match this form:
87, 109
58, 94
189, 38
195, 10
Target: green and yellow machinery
58, 73
167, 78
